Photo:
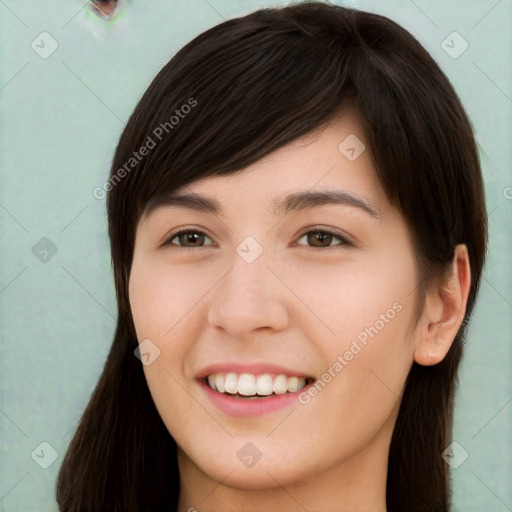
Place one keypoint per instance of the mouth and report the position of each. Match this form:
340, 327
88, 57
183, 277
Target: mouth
255, 386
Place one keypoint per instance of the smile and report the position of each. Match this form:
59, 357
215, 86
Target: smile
248, 385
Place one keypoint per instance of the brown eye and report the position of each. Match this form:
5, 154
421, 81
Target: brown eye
319, 239
322, 239
188, 239
191, 238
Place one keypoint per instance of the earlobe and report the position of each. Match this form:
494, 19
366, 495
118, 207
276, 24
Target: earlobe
444, 311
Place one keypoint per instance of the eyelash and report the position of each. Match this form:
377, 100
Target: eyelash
343, 240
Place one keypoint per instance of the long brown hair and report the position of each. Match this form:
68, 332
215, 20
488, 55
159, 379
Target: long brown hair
253, 84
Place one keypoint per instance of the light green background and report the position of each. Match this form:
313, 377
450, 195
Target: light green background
60, 121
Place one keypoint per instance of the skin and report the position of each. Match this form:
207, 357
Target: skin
298, 305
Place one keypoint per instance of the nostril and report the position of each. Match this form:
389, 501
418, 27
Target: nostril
104, 8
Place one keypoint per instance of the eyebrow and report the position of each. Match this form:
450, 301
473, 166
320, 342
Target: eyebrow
296, 201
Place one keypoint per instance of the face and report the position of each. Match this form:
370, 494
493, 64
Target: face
312, 301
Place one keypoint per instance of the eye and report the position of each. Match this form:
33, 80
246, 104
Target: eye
189, 239
188, 236
321, 239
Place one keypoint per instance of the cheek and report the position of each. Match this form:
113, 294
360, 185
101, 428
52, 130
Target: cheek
368, 355
353, 300
160, 302
159, 299
360, 388
144, 294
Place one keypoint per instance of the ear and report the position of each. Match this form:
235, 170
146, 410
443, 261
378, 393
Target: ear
444, 310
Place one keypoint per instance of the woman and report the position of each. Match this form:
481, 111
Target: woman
298, 230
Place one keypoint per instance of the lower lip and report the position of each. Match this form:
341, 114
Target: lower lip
246, 407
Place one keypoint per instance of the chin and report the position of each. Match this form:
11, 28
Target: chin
256, 474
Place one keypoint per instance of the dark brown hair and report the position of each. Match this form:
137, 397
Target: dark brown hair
259, 82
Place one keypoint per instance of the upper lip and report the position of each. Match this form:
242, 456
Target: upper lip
253, 368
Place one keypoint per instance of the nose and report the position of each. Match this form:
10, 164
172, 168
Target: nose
248, 298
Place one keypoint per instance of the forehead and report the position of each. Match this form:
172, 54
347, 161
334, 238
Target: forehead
334, 159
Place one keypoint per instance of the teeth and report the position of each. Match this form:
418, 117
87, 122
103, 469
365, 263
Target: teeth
292, 384
280, 385
264, 385
247, 384
231, 383
219, 382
